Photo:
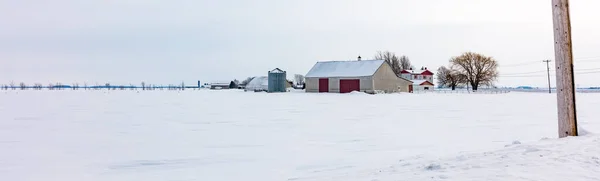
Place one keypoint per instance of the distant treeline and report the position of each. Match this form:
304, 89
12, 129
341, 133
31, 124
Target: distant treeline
23, 86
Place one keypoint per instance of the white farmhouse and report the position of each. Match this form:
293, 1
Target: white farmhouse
422, 79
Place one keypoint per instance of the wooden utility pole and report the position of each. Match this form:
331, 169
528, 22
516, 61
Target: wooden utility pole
548, 67
565, 86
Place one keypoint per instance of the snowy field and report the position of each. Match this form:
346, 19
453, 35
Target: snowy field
241, 136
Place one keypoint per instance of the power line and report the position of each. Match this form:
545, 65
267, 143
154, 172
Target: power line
585, 59
540, 75
587, 69
525, 72
520, 64
593, 72
524, 75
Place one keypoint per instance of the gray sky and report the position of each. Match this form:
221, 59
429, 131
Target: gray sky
129, 41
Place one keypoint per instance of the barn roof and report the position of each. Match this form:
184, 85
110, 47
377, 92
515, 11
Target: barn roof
221, 83
361, 68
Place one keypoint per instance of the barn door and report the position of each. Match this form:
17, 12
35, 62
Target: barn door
410, 88
323, 85
349, 85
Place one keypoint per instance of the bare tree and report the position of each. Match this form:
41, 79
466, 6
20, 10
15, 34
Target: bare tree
22, 86
449, 77
143, 85
37, 86
12, 85
299, 79
477, 68
405, 63
391, 59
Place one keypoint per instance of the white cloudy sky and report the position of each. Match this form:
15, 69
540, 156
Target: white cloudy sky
129, 41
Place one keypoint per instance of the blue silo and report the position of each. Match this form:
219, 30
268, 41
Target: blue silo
277, 80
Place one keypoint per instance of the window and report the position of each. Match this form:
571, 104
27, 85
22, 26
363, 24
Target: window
426, 88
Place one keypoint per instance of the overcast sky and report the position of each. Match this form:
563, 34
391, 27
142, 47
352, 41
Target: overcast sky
169, 41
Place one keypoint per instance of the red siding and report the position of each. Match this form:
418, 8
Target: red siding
323, 85
349, 85
410, 88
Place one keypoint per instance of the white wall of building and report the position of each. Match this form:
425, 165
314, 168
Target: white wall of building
423, 88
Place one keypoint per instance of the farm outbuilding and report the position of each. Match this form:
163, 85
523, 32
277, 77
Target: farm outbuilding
277, 81
258, 84
422, 85
220, 85
346, 76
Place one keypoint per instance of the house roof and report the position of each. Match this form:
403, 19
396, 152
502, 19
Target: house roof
361, 68
417, 72
421, 82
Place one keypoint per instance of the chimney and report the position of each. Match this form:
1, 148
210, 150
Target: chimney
359, 58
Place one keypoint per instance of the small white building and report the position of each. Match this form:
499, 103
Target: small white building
422, 85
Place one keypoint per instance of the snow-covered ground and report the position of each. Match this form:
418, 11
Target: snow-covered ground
232, 135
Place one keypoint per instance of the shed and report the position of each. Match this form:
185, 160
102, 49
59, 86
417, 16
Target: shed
347, 76
277, 81
422, 85
220, 85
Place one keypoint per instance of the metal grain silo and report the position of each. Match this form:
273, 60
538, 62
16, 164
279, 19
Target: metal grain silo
277, 80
